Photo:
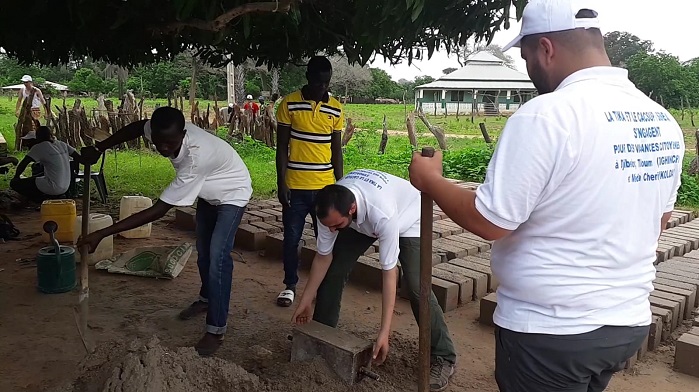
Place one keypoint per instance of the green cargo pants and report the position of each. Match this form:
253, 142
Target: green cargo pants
349, 246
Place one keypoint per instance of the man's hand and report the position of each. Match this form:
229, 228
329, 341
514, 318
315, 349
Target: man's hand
92, 240
380, 348
423, 169
304, 311
90, 154
283, 194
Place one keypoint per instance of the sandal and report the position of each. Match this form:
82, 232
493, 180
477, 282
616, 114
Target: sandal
286, 298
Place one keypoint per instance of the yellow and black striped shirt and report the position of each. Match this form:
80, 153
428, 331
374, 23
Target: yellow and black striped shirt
312, 125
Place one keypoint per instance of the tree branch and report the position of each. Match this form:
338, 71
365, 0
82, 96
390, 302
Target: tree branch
222, 20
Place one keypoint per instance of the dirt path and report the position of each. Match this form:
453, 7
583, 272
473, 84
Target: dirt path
40, 348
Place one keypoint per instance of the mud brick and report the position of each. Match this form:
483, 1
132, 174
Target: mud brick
251, 218
684, 287
672, 306
686, 354
464, 282
655, 334
278, 225
454, 226
459, 242
343, 352
690, 242
441, 230
447, 294
474, 237
367, 272
665, 316
266, 227
479, 260
677, 299
249, 237
274, 246
481, 244
276, 212
185, 218
690, 296
448, 249
678, 278
692, 255
468, 263
677, 248
483, 256
631, 362
264, 216
487, 309
689, 214
696, 321
480, 280
684, 269
684, 263
370, 250
663, 253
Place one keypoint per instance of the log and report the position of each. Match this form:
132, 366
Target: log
410, 124
486, 136
349, 131
384, 137
436, 131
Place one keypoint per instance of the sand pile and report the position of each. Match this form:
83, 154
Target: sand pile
151, 367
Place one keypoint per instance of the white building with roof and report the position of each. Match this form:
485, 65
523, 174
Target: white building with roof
484, 80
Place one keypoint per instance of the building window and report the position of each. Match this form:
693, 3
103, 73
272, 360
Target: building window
457, 96
432, 95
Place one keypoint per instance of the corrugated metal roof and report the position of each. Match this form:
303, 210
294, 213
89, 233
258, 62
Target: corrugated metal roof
57, 86
477, 85
482, 71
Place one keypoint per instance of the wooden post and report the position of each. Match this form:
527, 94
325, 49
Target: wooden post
436, 131
410, 124
84, 296
349, 131
425, 286
486, 136
384, 137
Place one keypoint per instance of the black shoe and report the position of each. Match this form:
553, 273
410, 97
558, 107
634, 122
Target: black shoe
194, 309
208, 344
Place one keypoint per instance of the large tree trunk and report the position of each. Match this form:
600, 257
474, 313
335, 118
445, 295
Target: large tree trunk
436, 131
239, 84
275, 80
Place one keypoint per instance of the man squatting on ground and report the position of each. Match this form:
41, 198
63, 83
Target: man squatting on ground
352, 214
309, 157
582, 181
210, 172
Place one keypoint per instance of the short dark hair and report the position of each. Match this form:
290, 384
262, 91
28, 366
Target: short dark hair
318, 64
43, 133
335, 197
165, 118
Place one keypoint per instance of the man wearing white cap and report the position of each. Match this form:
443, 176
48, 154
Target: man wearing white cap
583, 180
37, 97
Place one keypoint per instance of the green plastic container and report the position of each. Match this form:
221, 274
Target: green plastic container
55, 274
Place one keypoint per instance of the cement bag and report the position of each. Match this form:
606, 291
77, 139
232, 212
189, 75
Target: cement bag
151, 262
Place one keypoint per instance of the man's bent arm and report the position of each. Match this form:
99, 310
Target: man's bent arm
157, 211
130, 132
336, 149
460, 205
388, 298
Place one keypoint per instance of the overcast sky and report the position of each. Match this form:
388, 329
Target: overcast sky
670, 24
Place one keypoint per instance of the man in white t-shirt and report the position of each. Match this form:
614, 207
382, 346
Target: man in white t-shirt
361, 207
29, 90
583, 180
210, 172
54, 158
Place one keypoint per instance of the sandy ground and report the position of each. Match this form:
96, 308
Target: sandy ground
40, 349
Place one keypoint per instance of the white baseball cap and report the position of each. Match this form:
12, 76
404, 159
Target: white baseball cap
248, 97
26, 78
548, 16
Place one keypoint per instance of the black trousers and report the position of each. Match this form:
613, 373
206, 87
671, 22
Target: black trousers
27, 188
526, 362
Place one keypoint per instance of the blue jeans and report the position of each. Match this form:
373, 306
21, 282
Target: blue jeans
216, 227
302, 202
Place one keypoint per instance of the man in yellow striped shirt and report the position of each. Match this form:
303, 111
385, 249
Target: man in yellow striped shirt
309, 157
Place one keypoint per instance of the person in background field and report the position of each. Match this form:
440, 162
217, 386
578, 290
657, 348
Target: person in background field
38, 100
209, 171
360, 208
53, 156
309, 157
575, 227
251, 106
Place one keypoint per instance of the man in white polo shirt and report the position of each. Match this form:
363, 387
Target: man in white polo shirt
583, 180
209, 171
361, 207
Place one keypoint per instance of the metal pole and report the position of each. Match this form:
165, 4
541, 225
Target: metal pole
83, 299
425, 286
